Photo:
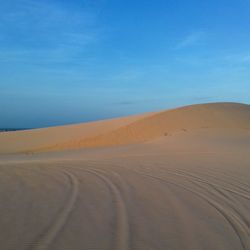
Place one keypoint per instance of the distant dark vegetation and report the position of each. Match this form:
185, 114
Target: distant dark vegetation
11, 129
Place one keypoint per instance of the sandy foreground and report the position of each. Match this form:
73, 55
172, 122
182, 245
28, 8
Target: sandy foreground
177, 179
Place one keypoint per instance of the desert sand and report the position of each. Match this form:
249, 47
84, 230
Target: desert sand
176, 179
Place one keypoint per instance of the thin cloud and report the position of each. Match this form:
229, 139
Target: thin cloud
125, 103
191, 39
243, 58
45, 32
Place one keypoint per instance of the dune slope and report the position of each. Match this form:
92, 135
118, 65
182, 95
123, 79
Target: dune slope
127, 130
20, 141
187, 190
215, 115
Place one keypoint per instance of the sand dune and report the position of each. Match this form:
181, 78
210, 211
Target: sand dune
177, 179
164, 123
13, 142
135, 129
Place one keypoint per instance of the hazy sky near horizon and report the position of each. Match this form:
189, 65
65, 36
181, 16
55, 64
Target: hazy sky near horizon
71, 61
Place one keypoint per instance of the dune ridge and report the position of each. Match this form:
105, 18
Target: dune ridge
127, 130
20, 141
214, 115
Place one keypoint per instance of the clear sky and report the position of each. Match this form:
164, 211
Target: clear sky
67, 61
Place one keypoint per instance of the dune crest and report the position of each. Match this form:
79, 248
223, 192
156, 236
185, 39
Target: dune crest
215, 115
128, 130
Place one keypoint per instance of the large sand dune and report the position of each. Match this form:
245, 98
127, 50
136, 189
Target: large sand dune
177, 179
134, 129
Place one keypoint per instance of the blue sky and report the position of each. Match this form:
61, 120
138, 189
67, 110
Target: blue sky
71, 61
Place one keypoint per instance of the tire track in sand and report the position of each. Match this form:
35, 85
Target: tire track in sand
241, 230
122, 227
44, 242
220, 194
196, 178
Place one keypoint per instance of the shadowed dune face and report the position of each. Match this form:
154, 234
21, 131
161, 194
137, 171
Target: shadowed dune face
130, 130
